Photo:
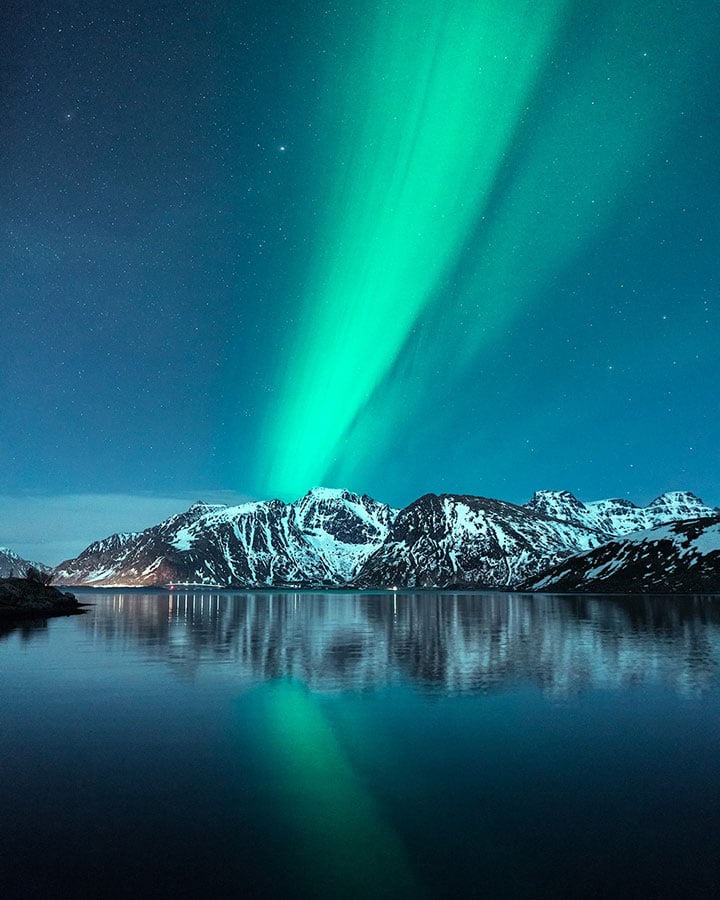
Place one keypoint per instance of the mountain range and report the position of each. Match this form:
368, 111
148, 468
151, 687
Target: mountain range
334, 538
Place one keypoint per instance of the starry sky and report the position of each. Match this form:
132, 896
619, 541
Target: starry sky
398, 247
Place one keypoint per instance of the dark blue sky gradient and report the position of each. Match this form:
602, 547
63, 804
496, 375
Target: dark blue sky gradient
162, 168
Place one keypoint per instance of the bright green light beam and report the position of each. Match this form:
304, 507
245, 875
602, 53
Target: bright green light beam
584, 161
430, 112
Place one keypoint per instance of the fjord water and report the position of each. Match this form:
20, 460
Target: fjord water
363, 745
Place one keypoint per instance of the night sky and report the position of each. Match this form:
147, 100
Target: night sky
423, 245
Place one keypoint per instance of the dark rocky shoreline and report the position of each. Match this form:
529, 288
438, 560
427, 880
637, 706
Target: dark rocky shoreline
25, 598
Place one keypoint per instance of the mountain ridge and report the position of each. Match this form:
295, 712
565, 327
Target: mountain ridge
677, 557
336, 538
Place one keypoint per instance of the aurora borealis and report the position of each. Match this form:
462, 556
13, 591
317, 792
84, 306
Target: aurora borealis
394, 247
427, 113
433, 183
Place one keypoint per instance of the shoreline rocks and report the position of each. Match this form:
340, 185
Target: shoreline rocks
24, 598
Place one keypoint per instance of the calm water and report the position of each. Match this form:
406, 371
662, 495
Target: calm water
341, 745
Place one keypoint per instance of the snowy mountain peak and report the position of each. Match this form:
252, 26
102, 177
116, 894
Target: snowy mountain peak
553, 496
323, 538
617, 516
460, 540
200, 507
319, 494
557, 505
190, 515
680, 500
112, 543
11, 563
342, 527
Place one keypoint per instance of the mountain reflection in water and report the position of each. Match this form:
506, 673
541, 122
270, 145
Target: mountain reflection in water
439, 641
308, 745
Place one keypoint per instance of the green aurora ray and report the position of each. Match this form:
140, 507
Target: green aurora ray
475, 157
606, 116
431, 109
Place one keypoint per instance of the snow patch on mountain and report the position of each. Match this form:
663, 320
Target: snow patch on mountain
682, 556
12, 564
616, 517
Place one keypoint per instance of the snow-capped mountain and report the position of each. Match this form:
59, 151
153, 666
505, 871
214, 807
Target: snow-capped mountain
128, 555
473, 541
337, 538
446, 540
680, 557
343, 528
12, 564
321, 539
616, 517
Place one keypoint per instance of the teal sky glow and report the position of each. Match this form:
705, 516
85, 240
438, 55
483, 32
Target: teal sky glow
395, 247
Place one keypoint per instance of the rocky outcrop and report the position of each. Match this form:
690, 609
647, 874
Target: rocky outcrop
27, 598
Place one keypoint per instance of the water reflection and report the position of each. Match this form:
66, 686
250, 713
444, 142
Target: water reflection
323, 805
451, 642
28, 629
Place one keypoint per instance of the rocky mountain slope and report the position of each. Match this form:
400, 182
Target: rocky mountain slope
337, 538
13, 565
321, 539
463, 541
680, 557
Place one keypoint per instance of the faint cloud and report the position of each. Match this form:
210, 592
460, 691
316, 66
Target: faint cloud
49, 529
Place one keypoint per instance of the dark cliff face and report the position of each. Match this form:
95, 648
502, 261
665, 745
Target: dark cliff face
682, 557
